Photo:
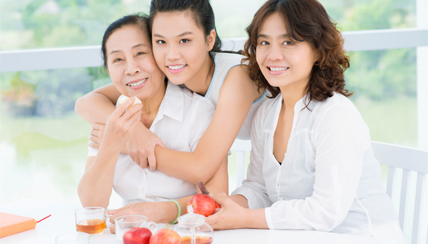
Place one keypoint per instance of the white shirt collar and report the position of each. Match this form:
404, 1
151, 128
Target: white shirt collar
272, 116
172, 104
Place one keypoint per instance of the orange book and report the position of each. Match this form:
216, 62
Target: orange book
11, 224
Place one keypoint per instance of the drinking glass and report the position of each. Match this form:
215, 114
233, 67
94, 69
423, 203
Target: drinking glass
193, 229
91, 220
127, 222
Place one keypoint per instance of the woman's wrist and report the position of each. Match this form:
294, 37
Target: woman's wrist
109, 148
177, 204
170, 212
255, 218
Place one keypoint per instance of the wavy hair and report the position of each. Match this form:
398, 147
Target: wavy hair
305, 20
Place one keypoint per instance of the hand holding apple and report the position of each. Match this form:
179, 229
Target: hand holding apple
165, 236
137, 235
203, 204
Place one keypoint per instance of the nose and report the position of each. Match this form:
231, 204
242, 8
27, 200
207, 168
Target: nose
173, 53
132, 67
275, 53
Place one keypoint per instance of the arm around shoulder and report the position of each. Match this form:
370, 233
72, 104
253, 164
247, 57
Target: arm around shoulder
97, 105
235, 99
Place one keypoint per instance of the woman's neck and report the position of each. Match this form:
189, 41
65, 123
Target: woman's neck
151, 106
201, 81
293, 93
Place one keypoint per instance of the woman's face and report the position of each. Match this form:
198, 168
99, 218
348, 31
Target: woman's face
281, 61
180, 46
131, 65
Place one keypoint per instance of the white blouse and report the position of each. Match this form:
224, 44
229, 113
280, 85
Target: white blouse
329, 179
182, 118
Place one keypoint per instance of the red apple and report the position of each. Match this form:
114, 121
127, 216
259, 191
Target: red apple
203, 204
137, 235
165, 236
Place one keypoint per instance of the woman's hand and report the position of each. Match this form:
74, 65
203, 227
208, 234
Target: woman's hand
230, 216
96, 137
158, 212
121, 124
141, 147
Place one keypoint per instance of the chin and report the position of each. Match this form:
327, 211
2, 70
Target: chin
177, 81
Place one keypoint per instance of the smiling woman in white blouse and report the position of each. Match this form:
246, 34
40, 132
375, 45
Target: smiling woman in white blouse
312, 167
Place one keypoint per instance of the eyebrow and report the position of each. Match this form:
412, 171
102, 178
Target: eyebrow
135, 46
266, 36
182, 34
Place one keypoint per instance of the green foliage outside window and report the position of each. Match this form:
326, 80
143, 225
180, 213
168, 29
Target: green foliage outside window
43, 142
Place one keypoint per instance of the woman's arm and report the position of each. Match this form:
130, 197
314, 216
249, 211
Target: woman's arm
235, 212
97, 105
97, 182
236, 97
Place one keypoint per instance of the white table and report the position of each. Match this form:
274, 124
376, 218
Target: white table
62, 221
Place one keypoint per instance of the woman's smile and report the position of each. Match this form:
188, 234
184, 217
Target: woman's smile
176, 68
137, 84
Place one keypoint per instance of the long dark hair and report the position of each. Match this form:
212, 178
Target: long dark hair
305, 20
132, 19
201, 10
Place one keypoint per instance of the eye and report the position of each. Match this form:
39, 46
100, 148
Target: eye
264, 43
286, 43
117, 60
160, 42
140, 53
184, 40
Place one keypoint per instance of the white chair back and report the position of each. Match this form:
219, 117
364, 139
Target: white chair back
240, 147
394, 157
408, 160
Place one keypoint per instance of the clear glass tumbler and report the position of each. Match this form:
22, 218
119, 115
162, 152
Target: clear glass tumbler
193, 229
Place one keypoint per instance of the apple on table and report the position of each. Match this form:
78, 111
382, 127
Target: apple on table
165, 236
137, 235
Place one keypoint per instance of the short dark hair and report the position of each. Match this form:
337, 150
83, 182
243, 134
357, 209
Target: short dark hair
201, 10
127, 20
305, 20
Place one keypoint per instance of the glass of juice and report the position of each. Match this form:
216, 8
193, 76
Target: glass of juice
91, 220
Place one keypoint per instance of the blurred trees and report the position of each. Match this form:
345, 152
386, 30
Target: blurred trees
60, 23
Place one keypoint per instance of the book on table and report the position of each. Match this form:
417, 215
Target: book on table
11, 224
